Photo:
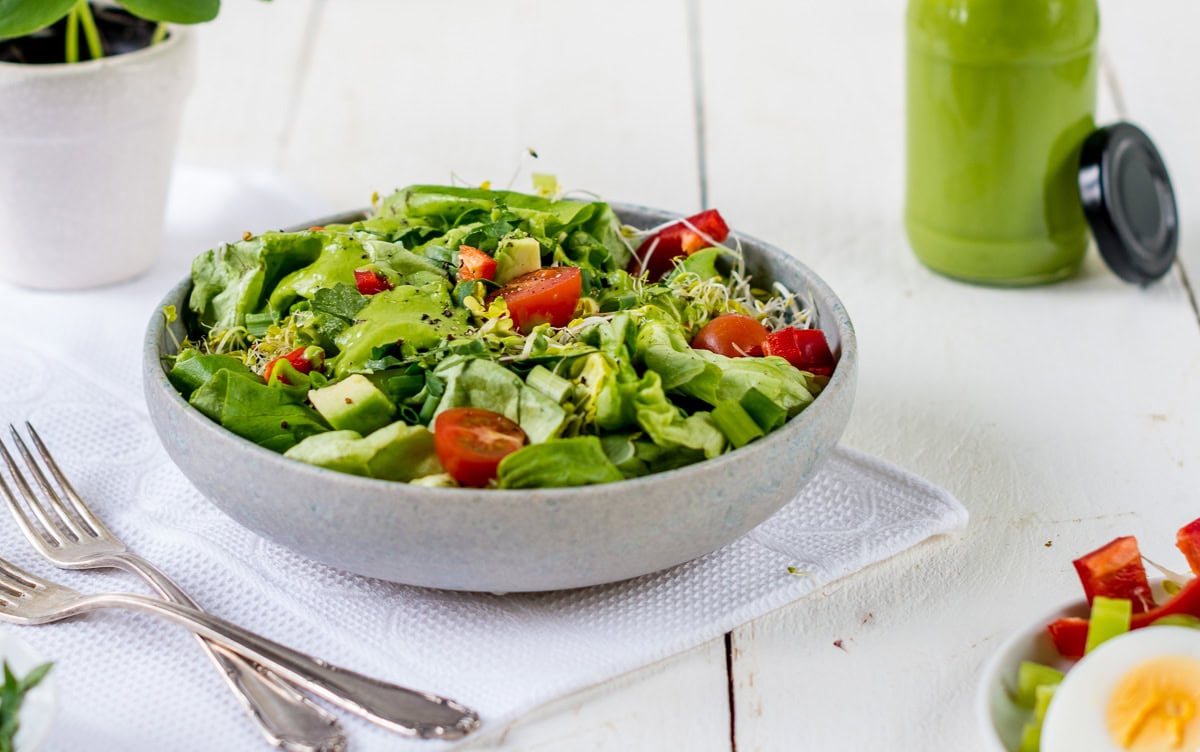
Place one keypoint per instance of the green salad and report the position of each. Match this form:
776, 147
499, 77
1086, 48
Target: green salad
471, 337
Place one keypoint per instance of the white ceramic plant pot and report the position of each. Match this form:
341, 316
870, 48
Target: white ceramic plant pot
85, 159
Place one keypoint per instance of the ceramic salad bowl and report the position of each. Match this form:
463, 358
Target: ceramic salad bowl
511, 540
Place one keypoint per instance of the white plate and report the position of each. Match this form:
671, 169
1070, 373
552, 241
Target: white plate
37, 711
1000, 721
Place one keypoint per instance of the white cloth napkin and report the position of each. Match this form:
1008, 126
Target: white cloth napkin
70, 364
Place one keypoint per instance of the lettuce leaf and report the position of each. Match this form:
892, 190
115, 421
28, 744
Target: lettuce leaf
666, 425
476, 382
235, 279
268, 416
558, 463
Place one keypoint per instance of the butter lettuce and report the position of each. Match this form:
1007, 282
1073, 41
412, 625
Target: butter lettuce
407, 318
395, 452
269, 416
618, 393
557, 463
476, 382
235, 279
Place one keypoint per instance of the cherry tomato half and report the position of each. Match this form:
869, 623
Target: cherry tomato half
541, 296
471, 441
806, 349
732, 335
475, 264
656, 254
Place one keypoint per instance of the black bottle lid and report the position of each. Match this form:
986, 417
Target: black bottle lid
1127, 197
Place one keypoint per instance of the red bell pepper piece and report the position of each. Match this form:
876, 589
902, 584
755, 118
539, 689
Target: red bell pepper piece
371, 281
656, 254
1188, 541
1115, 571
806, 349
303, 359
1070, 634
475, 264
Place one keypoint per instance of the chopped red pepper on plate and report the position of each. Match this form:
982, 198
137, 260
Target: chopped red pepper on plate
475, 264
1115, 571
303, 359
806, 349
371, 281
1070, 634
655, 256
1188, 541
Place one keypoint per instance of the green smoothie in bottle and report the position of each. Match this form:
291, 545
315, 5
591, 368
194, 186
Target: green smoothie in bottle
1001, 95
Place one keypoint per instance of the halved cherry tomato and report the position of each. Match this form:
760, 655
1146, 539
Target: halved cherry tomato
541, 296
475, 264
656, 253
732, 335
806, 349
371, 281
471, 441
1188, 541
303, 359
1115, 571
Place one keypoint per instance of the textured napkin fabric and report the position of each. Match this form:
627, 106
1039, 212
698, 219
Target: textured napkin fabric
69, 363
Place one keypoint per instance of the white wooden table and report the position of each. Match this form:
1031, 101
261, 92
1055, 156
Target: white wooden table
1061, 416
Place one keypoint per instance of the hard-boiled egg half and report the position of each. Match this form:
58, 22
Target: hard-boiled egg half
1139, 692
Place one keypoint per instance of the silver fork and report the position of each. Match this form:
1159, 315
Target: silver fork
74, 538
28, 599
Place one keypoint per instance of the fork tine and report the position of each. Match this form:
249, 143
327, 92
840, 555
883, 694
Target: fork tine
80, 506
32, 533
69, 522
20, 580
49, 532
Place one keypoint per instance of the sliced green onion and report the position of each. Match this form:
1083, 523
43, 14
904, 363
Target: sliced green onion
737, 425
257, 324
548, 383
763, 410
1110, 618
1031, 676
403, 386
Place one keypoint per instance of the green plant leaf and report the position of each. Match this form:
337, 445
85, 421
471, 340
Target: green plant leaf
21, 17
174, 11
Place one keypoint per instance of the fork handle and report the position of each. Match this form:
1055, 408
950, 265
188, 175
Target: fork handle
403, 710
287, 719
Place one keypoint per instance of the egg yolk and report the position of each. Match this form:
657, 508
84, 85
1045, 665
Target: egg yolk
1155, 706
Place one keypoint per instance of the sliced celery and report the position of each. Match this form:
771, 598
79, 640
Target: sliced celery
548, 383
1045, 693
1031, 737
1110, 618
735, 423
763, 410
1030, 677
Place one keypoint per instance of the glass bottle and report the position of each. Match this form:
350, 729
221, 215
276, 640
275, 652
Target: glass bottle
1001, 95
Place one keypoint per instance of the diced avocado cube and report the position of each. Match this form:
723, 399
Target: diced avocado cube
353, 404
517, 256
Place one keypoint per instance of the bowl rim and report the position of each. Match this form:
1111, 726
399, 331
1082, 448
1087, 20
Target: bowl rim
843, 377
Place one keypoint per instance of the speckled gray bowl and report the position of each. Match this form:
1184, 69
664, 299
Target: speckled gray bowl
509, 541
